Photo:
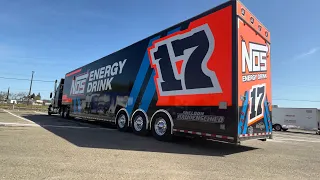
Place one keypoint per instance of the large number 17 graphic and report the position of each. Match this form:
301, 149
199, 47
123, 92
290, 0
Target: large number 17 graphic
181, 63
257, 97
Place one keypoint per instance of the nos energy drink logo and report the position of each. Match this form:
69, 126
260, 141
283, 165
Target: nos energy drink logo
254, 62
78, 84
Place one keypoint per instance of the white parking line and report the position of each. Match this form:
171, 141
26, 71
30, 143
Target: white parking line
298, 136
54, 126
37, 125
18, 124
77, 127
298, 140
40, 112
18, 116
274, 140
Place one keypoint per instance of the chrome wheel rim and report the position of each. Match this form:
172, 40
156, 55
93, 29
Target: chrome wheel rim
122, 121
160, 126
138, 123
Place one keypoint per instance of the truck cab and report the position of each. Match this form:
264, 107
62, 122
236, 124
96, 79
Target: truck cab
56, 99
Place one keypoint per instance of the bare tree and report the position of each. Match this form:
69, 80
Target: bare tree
17, 96
3, 95
21, 95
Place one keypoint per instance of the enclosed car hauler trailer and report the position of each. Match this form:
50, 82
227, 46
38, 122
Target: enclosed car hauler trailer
208, 76
297, 118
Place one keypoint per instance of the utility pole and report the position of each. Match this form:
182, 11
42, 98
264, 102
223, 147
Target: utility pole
55, 88
30, 88
8, 94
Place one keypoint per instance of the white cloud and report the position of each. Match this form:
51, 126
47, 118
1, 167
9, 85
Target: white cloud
310, 52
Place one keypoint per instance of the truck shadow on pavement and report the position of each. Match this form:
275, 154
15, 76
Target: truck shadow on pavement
102, 135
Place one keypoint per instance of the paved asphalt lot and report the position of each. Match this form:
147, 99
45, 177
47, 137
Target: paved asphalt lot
69, 149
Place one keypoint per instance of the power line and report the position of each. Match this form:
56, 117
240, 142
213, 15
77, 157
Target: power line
21, 90
305, 100
25, 79
18, 74
287, 85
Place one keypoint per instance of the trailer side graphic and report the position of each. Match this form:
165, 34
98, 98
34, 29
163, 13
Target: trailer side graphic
183, 80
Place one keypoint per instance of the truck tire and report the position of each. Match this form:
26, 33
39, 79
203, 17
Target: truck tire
139, 123
49, 112
122, 121
65, 113
62, 112
161, 127
277, 127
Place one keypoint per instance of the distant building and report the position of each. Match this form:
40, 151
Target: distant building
37, 102
46, 102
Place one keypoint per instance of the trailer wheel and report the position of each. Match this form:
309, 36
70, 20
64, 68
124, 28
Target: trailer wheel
139, 123
161, 127
122, 121
277, 127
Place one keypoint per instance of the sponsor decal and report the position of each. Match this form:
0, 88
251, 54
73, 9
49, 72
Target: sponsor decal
180, 58
254, 61
254, 78
199, 116
250, 130
290, 121
289, 115
99, 103
78, 84
100, 79
257, 97
260, 126
193, 66
96, 80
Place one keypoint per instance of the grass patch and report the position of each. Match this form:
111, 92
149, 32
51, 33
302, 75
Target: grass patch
24, 107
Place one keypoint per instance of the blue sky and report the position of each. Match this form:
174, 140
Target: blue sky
54, 37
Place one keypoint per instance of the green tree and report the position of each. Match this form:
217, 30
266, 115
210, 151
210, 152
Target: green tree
33, 96
38, 97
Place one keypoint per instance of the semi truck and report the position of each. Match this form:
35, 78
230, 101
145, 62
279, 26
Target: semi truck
296, 118
208, 76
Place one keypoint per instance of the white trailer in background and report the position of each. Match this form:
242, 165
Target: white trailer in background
297, 118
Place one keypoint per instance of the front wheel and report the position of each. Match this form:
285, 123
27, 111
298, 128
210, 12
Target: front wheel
49, 110
161, 127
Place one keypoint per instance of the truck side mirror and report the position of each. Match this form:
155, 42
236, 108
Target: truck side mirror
50, 95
